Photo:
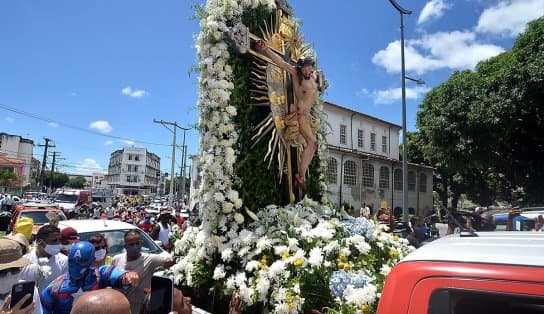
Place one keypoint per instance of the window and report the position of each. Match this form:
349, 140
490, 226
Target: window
129, 156
459, 301
373, 141
368, 175
360, 138
332, 170
411, 181
342, 134
128, 179
384, 144
384, 178
397, 180
137, 157
350, 173
135, 168
422, 182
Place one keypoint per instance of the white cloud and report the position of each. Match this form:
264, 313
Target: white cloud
88, 166
134, 93
391, 95
433, 9
509, 17
53, 124
9, 119
108, 142
457, 50
127, 142
101, 126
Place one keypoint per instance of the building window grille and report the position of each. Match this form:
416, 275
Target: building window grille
422, 182
332, 170
411, 181
360, 138
384, 178
397, 180
373, 141
368, 175
342, 134
384, 144
350, 173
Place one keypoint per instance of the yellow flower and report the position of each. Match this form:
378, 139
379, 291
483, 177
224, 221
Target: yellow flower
342, 256
341, 265
291, 306
285, 255
263, 264
365, 308
393, 253
396, 238
298, 261
347, 266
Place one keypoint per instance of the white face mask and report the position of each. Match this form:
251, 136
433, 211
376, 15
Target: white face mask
7, 281
52, 249
100, 254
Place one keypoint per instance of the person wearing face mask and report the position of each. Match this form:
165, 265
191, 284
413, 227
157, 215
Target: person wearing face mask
143, 263
59, 296
11, 262
101, 256
68, 236
47, 263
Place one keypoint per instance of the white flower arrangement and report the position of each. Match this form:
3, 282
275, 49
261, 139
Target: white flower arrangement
279, 254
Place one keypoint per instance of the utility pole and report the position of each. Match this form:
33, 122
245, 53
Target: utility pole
42, 170
52, 171
172, 176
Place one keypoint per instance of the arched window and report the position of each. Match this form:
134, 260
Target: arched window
368, 175
384, 178
332, 170
397, 180
411, 181
422, 182
350, 173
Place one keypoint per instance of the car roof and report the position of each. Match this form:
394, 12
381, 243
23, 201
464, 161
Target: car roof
92, 225
508, 247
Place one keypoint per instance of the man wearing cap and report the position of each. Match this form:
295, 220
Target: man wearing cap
68, 236
47, 263
11, 262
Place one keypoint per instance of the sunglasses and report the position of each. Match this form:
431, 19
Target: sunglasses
12, 271
98, 247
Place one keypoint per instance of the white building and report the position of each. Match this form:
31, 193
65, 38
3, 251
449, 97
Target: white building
15, 146
133, 171
364, 165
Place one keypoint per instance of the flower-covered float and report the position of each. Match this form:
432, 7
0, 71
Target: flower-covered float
290, 258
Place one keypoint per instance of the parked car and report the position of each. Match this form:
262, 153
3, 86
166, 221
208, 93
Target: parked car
37, 212
484, 272
114, 231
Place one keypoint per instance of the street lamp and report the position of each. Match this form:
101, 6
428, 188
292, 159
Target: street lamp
402, 12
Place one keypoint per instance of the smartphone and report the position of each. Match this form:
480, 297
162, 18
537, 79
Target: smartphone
162, 295
19, 290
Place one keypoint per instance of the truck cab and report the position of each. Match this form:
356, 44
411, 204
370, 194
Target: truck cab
485, 272
70, 199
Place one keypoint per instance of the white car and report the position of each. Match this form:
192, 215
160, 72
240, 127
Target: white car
114, 232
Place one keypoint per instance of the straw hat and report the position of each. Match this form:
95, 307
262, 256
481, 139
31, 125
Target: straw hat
10, 255
19, 238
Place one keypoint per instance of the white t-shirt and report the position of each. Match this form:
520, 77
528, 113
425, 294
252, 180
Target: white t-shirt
164, 233
36, 299
57, 264
145, 267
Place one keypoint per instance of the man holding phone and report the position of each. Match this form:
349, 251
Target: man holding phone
11, 263
142, 263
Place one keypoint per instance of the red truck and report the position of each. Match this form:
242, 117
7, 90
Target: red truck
485, 272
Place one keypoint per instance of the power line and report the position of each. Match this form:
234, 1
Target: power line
48, 120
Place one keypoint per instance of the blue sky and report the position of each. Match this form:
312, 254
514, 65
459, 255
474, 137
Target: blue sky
92, 75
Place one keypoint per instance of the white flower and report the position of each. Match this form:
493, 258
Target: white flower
252, 265
264, 243
219, 197
316, 257
238, 203
227, 255
228, 207
219, 272
262, 288
276, 269
280, 250
385, 270
360, 296
239, 218
240, 279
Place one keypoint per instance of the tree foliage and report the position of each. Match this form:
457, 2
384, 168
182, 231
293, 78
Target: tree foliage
77, 182
480, 129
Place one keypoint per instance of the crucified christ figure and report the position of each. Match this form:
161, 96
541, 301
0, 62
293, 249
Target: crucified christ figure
306, 88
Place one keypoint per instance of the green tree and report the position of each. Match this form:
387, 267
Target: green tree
8, 178
480, 128
59, 180
77, 182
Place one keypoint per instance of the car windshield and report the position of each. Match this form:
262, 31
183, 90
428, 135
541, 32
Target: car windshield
38, 217
116, 241
66, 198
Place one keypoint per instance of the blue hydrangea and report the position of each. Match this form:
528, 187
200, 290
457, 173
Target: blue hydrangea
341, 279
360, 226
